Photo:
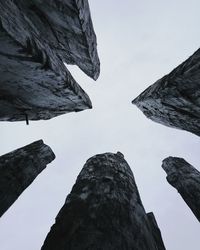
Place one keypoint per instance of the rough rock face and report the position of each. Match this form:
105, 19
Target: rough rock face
19, 168
174, 100
186, 179
36, 38
103, 210
156, 232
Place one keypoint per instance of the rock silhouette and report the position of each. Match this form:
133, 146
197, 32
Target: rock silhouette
174, 100
19, 168
186, 179
103, 211
156, 231
36, 38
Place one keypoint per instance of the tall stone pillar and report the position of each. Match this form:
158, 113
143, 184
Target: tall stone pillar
19, 168
186, 179
37, 40
103, 211
174, 100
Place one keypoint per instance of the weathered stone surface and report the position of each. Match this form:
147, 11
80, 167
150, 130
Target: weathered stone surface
186, 179
103, 210
174, 100
67, 27
156, 231
36, 38
19, 168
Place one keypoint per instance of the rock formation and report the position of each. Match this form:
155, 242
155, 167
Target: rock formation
174, 100
156, 231
103, 211
19, 168
36, 38
186, 179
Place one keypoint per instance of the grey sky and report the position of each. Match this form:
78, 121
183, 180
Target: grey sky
138, 43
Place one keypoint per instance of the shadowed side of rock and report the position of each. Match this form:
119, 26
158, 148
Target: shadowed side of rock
36, 38
156, 232
174, 100
19, 168
103, 211
186, 179
71, 32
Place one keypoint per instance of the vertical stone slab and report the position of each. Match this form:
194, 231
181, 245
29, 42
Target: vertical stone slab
19, 168
103, 211
186, 179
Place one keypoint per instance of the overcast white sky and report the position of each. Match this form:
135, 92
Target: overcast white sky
138, 43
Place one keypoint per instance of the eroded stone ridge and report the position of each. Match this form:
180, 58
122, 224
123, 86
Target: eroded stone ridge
174, 100
19, 168
103, 210
186, 179
36, 38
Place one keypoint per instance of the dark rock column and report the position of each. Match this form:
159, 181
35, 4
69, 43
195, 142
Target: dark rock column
186, 179
36, 38
103, 211
156, 231
174, 100
70, 31
19, 168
